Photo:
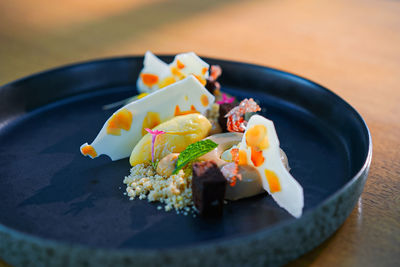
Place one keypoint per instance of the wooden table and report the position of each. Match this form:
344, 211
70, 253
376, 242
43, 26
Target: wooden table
351, 47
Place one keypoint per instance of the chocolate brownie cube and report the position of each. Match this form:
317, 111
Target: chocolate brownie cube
208, 188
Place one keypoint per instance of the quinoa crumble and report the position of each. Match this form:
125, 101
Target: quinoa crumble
174, 191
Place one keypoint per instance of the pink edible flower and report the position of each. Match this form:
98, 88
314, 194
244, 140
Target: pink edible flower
226, 99
154, 134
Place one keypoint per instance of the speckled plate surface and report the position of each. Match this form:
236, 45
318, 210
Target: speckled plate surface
60, 208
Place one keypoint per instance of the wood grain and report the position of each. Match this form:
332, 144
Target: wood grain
351, 47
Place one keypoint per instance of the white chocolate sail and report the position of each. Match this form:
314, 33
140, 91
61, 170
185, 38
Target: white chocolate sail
260, 144
190, 63
155, 66
125, 127
156, 74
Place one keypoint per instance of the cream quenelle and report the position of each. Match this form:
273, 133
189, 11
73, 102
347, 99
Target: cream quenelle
179, 132
125, 127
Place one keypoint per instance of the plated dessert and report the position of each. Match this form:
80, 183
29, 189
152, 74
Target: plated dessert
78, 203
191, 146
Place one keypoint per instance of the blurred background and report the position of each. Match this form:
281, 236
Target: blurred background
351, 47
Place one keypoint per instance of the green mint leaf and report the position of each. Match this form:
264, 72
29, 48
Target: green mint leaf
194, 151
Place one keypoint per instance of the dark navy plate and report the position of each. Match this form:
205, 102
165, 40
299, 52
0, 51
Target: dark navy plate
60, 208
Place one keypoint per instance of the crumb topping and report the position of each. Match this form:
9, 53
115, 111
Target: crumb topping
174, 192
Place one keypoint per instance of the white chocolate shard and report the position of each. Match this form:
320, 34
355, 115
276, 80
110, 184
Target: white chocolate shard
124, 128
152, 65
276, 179
190, 63
156, 74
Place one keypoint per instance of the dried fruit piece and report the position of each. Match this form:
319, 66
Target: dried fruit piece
257, 157
149, 79
89, 151
120, 120
256, 136
204, 100
273, 181
179, 64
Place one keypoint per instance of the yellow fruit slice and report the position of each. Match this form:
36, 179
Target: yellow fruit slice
181, 131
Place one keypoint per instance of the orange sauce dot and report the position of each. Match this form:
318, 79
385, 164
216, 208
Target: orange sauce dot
257, 157
151, 120
242, 157
149, 79
204, 100
204, 70
89, 150
273, 181
179, 64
